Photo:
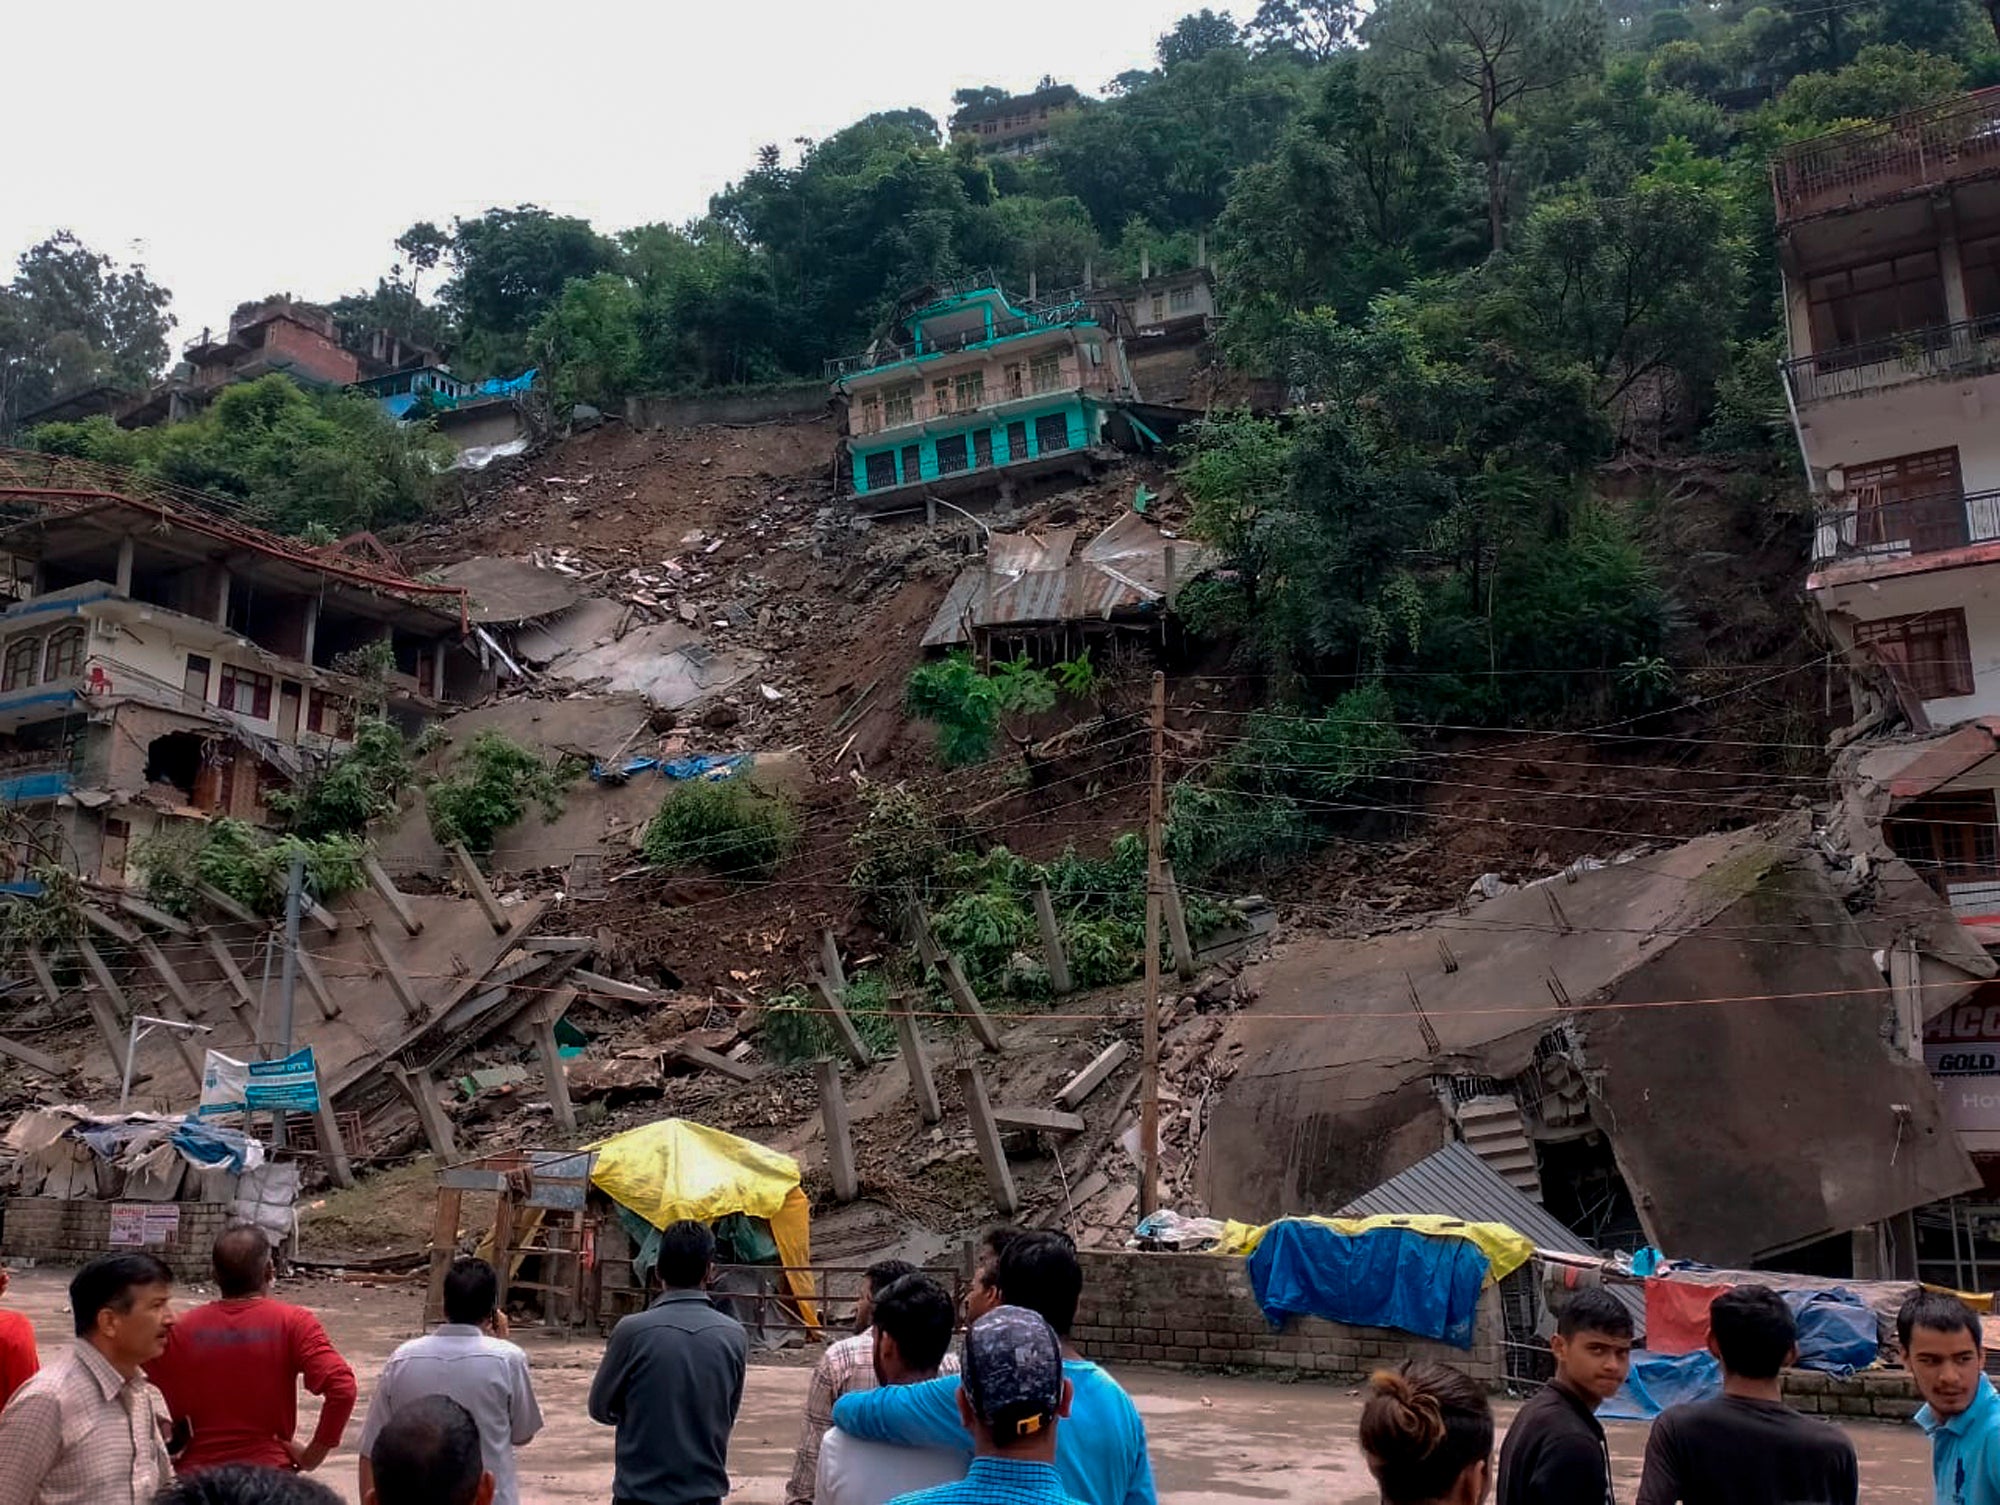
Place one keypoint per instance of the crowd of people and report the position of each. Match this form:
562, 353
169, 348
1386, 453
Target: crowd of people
147, 1407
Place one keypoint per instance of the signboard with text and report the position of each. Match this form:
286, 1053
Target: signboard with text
1962, 1050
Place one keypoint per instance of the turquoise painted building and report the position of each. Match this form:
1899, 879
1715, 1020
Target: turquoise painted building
971, 384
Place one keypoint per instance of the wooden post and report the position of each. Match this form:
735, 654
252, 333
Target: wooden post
431, 1117
399, 904
829, 959
986, 1134
476, 884
843, 1025
332, 1148
444, 1248
102, 1014
399, 980
839, 1136
922, 1088
1177, 931
1052, 945
543, 1023
1149, 1059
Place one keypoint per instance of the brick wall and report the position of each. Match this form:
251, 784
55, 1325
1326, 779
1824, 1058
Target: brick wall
61, 1232
1887, 1394
1196, 1309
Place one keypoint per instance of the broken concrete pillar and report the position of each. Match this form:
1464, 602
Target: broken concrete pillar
1177, 931
986, 1135
1052, 945
554, 1075
392, 969
476, 885
102, 1014
843, 1025
391, 895
922, 1087
829, 956
1093, 1076
421, 1093
332, 1147
839, 1134
123, 579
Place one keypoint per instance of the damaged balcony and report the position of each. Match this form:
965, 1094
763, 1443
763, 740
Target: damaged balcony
1868, 526
1955, 141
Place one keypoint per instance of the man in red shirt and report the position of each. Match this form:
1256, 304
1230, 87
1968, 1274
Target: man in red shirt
231, 1368
18, 1358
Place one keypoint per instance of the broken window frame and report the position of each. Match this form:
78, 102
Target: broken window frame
899, 405
1045, 372
1048, 425
234, 681
1949, 836
1930, 649
968, 391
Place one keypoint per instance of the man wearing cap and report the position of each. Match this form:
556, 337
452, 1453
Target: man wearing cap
1011, 1397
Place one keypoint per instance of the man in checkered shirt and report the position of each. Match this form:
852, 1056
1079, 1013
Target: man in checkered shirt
90, 1429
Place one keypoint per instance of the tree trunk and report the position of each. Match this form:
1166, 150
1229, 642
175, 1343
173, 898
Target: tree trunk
1993, 15
1496, 196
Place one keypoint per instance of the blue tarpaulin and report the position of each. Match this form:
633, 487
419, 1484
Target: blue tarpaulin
1388, 1277
1836, 1330
1660, 1380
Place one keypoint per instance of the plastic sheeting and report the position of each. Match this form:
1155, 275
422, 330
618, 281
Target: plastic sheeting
1385, 1277
1677, 1315
1505, 1250
1836, 1330
676, 1169
1659, 1380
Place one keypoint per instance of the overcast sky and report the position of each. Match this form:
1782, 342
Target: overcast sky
241, 148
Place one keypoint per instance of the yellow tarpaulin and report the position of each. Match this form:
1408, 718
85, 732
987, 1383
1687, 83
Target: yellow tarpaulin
675, 1169
1505, 1250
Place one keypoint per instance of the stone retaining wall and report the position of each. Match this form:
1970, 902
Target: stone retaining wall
53, 1230
1196, 1310
1886, 1394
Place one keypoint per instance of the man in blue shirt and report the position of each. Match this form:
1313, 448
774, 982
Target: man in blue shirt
1941, 1341
1011, 1399
1101, 1454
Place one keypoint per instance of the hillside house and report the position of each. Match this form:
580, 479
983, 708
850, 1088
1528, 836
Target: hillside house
1019, 125
161, 663
972, 391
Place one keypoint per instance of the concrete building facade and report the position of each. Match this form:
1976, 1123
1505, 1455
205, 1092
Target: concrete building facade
970, 387
1019, 125
161, 664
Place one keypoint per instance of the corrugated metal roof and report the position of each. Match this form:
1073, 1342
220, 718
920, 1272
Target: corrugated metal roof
1458, 1184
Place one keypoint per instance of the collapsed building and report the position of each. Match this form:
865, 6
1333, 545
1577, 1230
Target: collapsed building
161, 663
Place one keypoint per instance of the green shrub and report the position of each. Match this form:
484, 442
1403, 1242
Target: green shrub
968, 706
490, 787
356, 787
793, 1025
898, 847
724, 826
251, 866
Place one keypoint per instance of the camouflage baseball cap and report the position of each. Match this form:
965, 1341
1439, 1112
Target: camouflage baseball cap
1013, 1371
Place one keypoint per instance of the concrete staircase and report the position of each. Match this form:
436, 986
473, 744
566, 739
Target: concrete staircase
1492, 1130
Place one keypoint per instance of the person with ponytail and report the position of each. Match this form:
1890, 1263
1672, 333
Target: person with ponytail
1427, 1432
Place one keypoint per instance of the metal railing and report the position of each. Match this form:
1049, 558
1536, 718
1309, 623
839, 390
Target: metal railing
1865, 528
1968, 348
1942, 143
882, 418
1053, 316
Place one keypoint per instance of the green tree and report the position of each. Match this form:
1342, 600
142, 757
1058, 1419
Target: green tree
490, 786
73, 318
1196, 35
1316, 29
1491, 56
508, 267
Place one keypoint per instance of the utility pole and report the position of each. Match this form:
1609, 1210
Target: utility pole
1149, 1060
294, 893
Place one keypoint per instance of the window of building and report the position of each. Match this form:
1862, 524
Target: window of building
871, 414
912, 463
1016, 383
245, 692
881, 470
1948, 837
1052, 432
940, 396
328, 714
64, 659
989, 127
982, 450
1181, 300
24, 656
899, 405
968, 391
952, 455
1914, 499
1872, 302
1980, 260
1017, 441
1045, 371
1159, 307
1928, 651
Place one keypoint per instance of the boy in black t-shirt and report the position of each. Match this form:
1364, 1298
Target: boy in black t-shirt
1555, 1453
1747, 1447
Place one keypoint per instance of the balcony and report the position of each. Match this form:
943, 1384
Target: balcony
1971, 348
886, 353
1953, 141
865, 419
1866, 528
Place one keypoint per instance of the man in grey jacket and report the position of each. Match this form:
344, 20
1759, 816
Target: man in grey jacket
671, 1382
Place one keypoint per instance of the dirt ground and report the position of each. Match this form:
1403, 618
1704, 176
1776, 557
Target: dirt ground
1212, 1436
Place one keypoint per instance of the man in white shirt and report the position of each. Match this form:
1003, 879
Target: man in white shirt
467, 1360
913, 1322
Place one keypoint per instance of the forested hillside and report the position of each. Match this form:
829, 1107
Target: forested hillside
1488, 245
